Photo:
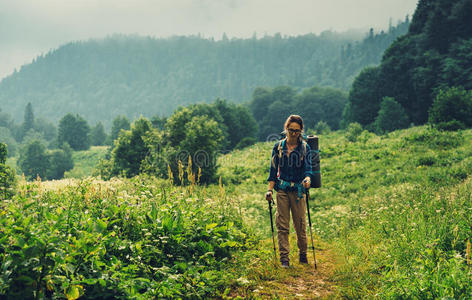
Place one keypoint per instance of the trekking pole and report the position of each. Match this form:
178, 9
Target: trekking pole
309, 221
272, 227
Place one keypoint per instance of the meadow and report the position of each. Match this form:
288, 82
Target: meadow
394, 210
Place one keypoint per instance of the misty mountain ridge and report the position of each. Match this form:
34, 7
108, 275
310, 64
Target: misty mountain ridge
135, 75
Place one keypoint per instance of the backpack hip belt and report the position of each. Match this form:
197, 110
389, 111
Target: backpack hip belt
289, 185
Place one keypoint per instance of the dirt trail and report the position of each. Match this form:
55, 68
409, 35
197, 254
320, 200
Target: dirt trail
299, 281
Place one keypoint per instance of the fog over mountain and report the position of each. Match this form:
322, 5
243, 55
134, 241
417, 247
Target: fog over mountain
135, 75
30, 28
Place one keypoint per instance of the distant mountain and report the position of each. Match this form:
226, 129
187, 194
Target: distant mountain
133, 75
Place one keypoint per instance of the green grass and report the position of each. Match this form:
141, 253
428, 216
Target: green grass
395, 209
86, 161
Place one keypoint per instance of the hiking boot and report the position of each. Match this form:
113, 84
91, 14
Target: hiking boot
303, 258
285, 263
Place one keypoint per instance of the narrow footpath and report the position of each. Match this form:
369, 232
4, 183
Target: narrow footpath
299, 281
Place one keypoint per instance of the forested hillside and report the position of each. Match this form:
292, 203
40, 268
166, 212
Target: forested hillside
435, 54
134, 75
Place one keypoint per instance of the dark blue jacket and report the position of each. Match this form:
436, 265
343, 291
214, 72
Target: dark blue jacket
292, 167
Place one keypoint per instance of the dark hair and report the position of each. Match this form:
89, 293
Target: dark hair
294, 118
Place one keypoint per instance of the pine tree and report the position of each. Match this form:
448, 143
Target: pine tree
28, 122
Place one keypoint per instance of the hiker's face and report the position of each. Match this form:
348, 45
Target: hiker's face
294, 129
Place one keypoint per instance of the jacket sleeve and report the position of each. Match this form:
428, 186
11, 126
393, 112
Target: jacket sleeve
274, 165
308, 162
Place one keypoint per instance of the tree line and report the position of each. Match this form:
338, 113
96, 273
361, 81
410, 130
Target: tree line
186, 142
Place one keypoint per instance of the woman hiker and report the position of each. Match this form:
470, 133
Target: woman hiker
290, 175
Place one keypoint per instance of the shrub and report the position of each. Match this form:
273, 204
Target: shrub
322, 128
452, 109
61, 161
246, 142
353, 131
427, 160
130, 149
435, 138
391, 116
34, 160
7, 175
452, 125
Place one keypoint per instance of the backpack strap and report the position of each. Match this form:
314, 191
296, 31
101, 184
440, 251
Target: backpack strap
304, 149
280, 147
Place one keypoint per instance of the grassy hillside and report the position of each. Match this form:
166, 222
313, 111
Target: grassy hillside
392, 220
396, 209
86, 161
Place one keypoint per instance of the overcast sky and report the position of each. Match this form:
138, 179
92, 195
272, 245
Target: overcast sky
31, 27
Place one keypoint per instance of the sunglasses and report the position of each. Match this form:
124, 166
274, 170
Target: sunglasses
294, 130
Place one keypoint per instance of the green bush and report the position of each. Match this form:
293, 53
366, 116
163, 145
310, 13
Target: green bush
34, 160
322, 128
142, 239
245, 142
391, 116
427, 160
452, 109
436, 139
453, 125
353, 131
7, 175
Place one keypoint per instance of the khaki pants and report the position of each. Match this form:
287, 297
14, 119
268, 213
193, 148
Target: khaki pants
286, 202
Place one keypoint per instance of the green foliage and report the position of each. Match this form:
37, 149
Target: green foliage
202, 142
3, 153
98, 136
322, 128
245, 142
61, 161
452, 109
86, 162
353, 131
271, 107
391, 116
34, 161
7, 175
433, 55
120, 122
7, 182
46, 128
364, 97
130, 149
28, 121
320, 104
122, 74
176, 124
437, 139
74, 130
456, 67
132, 239
158, 122
7, 138
190, 142
239, 122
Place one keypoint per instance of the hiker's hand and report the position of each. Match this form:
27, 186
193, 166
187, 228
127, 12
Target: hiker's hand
269, 196
307, 182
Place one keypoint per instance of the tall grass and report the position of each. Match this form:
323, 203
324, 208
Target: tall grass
139, 238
